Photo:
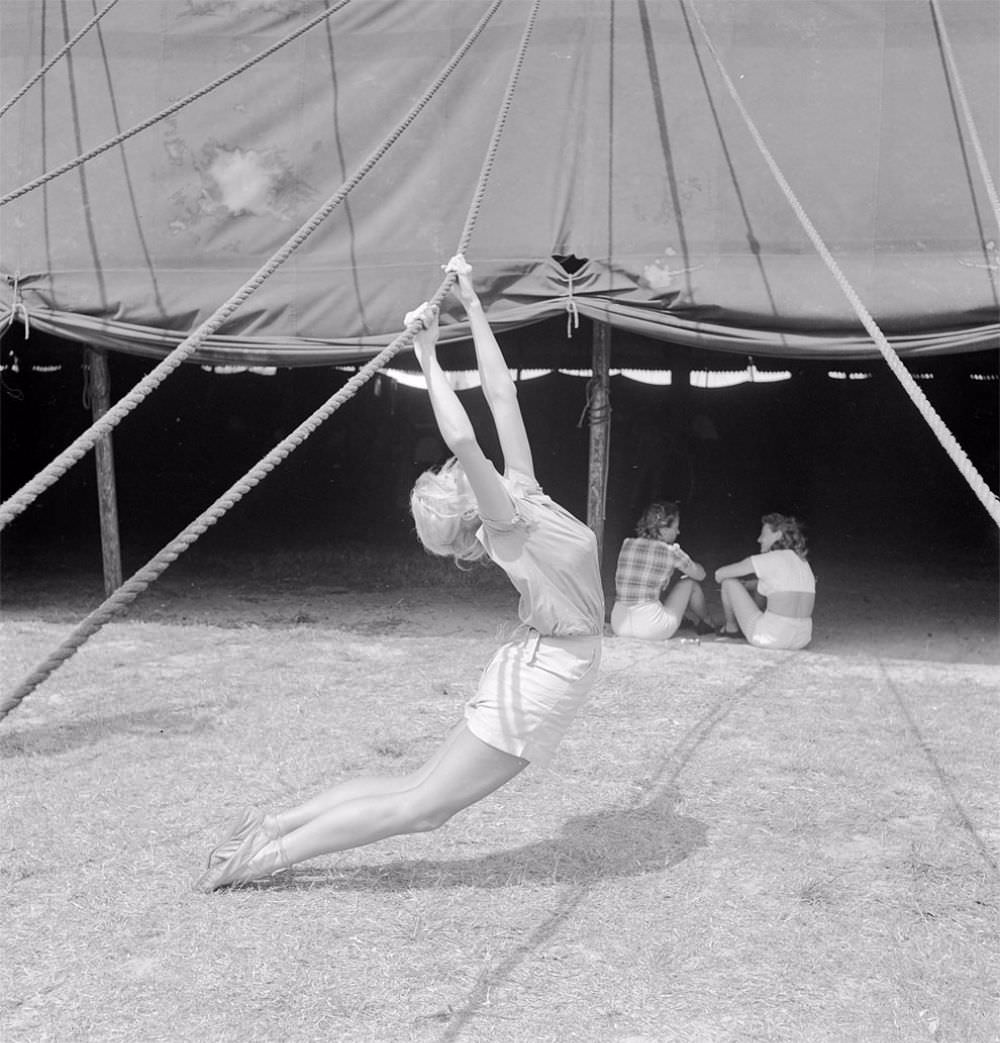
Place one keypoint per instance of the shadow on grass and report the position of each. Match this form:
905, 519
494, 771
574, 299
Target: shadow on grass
46, 740
607, 844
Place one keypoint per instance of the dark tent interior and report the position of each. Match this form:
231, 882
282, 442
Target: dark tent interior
849, 454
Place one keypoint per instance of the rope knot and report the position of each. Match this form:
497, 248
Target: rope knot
18, 309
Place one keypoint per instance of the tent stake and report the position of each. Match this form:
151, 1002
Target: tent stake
104, 457
599, 402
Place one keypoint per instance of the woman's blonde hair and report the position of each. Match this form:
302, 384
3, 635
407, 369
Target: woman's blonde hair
792, 531
446, 514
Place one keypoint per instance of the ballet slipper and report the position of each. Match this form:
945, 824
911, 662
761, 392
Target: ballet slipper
245, 823
256, 858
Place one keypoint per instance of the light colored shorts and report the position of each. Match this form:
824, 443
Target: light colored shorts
780, 632
531, 692
647, 621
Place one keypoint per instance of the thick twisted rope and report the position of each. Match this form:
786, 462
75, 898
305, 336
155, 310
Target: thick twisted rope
65, 49
970, 123
498, 129
171, 109
140, 580
986, 496
74, 452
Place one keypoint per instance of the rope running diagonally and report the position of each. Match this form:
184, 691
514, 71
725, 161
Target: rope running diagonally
74, 452
65, 49
138, 582
85, 157
986, 496
970, 123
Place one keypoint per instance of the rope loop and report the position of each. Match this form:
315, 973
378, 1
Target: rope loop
18, 309
572, 311
595, 414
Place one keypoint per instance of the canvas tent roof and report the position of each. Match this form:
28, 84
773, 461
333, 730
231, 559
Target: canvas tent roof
622, 146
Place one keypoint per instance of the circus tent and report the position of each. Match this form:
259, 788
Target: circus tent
678, 153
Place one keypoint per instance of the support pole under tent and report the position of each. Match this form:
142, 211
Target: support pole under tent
104, 458
599, 410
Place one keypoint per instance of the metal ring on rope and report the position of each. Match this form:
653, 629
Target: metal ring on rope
138, 582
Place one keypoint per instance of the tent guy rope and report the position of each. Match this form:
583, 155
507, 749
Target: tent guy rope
959, 457
65, 49
84, 157
30, 491
141, 579
970, 123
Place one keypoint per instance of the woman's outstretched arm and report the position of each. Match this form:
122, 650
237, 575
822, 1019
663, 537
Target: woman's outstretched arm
499, 389
734, 571
453, 421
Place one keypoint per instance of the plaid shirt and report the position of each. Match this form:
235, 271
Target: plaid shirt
644, 566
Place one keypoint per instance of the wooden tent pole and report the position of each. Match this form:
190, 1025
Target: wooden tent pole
104, 457
600, 431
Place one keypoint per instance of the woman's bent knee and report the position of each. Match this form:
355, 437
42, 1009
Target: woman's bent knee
419, 817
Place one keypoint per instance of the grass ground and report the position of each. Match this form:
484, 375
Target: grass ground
731, 846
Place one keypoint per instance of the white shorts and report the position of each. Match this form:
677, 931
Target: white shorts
780, 632
531, 692
648, 621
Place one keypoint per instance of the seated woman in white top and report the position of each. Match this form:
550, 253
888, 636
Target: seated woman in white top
774, 608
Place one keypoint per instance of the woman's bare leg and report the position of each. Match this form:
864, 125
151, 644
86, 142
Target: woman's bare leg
686, 598
738, 606
284, 822
464, 770
697, 609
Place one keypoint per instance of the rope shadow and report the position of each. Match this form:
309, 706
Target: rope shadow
660, 784
942, 775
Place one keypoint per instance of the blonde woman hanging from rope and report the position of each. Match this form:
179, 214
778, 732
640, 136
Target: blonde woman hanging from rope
536, 683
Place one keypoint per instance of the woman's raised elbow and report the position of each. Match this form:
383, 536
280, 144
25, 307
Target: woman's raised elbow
503, 395
459, 439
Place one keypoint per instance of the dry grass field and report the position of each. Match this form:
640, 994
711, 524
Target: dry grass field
731, 846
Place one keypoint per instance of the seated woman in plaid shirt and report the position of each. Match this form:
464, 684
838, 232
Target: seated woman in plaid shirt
646, 605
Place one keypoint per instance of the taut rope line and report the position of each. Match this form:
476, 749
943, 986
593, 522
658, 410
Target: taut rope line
52, 61
74, 452
140, 580
171, 109
970, 123
498, 129
986, 496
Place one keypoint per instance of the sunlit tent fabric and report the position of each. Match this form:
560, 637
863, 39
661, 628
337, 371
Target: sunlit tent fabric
622, 148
